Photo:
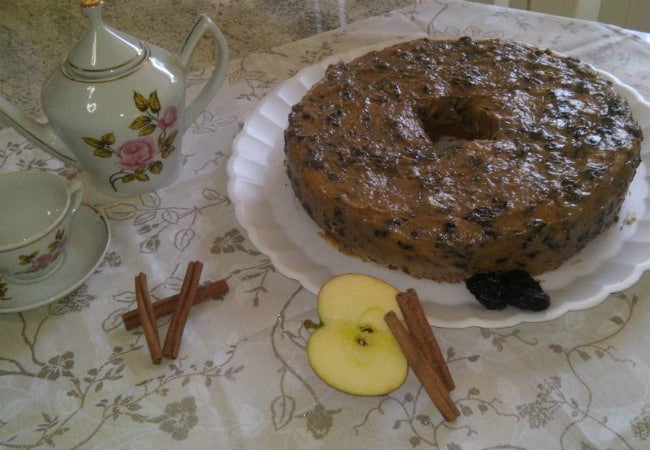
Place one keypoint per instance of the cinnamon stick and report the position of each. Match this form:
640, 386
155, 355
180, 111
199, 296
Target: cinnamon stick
426, 374
147, 318
417, 323
166, 306
182, 311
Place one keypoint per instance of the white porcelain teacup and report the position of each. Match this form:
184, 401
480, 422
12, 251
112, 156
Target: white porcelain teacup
36, 210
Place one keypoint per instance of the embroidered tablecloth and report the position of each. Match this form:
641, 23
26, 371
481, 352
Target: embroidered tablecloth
72, 376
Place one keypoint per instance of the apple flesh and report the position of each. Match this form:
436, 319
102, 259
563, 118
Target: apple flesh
353, 350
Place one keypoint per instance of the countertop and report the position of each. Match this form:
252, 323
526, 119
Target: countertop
35, 36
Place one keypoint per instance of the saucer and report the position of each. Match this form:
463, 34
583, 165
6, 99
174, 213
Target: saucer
89, 238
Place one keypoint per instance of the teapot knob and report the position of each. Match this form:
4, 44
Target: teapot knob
103, 53
93, 10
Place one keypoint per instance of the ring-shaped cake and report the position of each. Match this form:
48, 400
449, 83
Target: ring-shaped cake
446, 158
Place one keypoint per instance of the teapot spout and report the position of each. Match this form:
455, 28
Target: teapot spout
41, 134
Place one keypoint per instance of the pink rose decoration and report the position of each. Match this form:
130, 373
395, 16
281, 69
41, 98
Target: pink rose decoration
168, 119
42, 261
136, 154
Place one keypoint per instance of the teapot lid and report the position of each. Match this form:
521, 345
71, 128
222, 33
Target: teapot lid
103, 53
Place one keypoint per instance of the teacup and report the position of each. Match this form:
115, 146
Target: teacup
36, 210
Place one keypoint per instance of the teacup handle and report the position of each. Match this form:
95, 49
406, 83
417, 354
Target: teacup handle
76, 190
204, 25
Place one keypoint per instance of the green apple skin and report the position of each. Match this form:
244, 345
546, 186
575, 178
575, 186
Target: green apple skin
353, 350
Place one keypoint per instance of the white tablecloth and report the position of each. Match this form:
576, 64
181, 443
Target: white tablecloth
72, 376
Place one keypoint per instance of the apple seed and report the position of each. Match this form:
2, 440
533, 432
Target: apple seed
311, 325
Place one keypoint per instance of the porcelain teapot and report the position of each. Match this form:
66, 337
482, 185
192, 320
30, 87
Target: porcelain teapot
116, 106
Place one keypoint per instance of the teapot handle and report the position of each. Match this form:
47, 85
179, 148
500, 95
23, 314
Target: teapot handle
204, 25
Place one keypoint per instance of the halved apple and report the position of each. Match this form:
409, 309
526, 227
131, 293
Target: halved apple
353, 350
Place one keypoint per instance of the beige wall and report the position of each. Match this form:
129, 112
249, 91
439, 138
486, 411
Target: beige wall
634, 14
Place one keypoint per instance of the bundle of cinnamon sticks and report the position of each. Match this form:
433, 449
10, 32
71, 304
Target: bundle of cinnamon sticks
422, 352
178, 305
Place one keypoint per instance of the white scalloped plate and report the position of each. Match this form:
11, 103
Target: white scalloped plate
265, 206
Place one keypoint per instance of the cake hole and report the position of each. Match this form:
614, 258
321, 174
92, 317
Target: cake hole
457, 118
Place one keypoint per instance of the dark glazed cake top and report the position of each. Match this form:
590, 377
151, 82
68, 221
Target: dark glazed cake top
498, 134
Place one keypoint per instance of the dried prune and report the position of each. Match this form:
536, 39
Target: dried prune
523, 291
496, 290
488, 290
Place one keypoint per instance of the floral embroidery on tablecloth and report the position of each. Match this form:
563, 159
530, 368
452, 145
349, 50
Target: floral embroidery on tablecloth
180, 418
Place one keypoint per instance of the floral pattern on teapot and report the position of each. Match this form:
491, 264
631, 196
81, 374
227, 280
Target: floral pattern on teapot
137, 158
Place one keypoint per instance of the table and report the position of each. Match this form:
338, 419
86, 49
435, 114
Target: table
71, 376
